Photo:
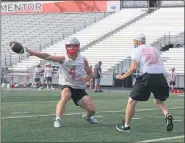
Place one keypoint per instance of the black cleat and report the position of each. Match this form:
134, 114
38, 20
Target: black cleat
169, 122
121, 127
100, 90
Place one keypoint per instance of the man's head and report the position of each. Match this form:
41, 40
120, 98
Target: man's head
72, 46
38, 66
173, 69
100, 63
139, 40
49, 65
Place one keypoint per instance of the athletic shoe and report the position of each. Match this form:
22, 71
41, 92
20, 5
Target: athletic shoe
121, 127
57, 123
169, 122
91, 120
100, 90
95, 91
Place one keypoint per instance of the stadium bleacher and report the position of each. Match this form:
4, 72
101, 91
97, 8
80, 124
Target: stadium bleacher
112, 50
119, 46
39, 30
91, 33
174, 57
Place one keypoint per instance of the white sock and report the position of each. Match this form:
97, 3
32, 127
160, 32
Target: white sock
58, 118
126, 125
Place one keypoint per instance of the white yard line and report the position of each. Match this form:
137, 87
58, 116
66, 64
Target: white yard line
161, 139
19, 112
97, 116
136, 118
177, 120
45, 101
69, 114
31, 102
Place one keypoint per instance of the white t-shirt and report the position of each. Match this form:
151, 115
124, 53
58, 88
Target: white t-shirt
36, 73
71, 72
148, 59
48, 72
172, 76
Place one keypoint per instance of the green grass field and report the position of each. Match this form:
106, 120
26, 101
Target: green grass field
27, 116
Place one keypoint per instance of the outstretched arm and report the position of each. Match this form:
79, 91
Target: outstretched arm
46, 56
130, 71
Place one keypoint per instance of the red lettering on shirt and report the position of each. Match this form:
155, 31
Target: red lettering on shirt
150, 56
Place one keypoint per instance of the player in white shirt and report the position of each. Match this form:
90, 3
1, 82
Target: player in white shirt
37, 75
151, 79
48, 75
75, 72
44, 77
172, 77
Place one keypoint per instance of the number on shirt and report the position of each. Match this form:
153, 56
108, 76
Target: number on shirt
72, 72
150, 56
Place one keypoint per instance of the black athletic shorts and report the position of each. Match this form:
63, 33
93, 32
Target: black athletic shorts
150, 83
49, 79
76, 94
36, 79
172, 83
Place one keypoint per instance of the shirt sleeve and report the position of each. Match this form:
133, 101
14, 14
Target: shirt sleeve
98, 68
135, 55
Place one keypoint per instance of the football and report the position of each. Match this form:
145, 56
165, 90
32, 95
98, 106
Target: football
17, 47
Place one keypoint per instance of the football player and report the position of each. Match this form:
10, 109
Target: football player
75, 72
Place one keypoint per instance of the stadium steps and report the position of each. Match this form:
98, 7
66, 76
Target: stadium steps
41, 30
91, 33
119, 46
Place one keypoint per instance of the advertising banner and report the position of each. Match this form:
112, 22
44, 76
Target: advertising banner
59, 6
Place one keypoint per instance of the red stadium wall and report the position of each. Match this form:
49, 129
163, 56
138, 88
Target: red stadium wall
56, 7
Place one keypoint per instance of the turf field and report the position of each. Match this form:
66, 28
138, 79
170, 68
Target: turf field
27, 116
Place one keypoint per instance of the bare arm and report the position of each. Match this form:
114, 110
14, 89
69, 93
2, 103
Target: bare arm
46, 56
41, 71
88, 71
130, 71
99, 72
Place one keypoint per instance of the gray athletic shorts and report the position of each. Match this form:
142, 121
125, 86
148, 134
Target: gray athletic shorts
97, 81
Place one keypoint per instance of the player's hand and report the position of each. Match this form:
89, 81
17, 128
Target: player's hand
119, 76
31, 53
